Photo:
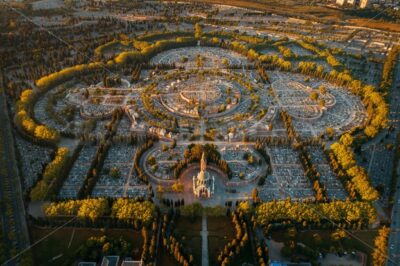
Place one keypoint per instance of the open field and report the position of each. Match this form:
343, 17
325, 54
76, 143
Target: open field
220, 232
166, 259
62, 246
188, 232
322, 241
376, 24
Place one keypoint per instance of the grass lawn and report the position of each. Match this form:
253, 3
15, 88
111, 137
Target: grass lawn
245, 256
377, 24
164, 258
188, 233
220, 232
55, 249
360, 241
368, 237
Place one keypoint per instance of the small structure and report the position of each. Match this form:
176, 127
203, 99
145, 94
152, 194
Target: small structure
130, 262
110, 261
203, 184
86, 263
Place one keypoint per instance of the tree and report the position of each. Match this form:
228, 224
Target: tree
344, 155
93, 208
52, 176
151, 160
337, 211
84, 209
135, 210
244, 207
346, 139
285, 51
389, 67
25, 122
192, 210
314, 96
198, 31
330, 131
261, 181
177, 187
322, 89
379, 253
370, 131
254, 194
115, 172
362, 183
160, 191
199, 61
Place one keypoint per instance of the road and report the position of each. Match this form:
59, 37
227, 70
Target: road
13, 221
381, 159
394, 239
204, 241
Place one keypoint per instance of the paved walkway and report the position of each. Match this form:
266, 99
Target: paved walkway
204, 244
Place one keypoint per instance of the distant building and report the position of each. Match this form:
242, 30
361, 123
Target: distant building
47, 4
354, 3
362, 3
340, 2
365, 3
114, 261
130, 262
280, 263
110, 261
85, 263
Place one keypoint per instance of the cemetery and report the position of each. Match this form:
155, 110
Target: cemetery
194, 95
177, 133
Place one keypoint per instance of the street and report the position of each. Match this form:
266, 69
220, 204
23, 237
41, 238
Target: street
394, 116
13, 221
